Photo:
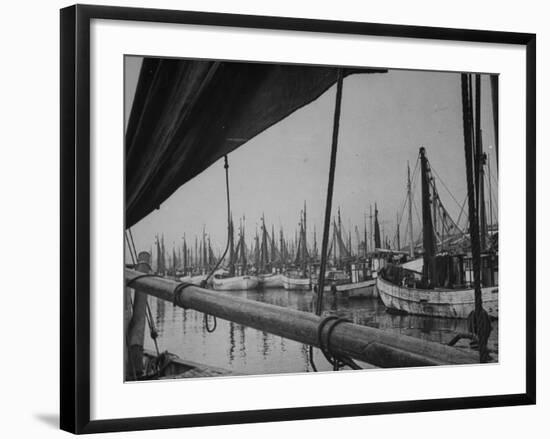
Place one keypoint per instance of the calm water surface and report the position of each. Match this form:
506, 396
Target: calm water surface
249, 351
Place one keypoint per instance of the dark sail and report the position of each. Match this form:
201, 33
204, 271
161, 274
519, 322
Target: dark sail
377, 240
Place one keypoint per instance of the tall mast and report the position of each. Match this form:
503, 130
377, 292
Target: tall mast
371, 229
473, 219
479, 161
427, 226
398, 238
231, 247
409, 196
365, 249
305, 229
490, 191
377, 242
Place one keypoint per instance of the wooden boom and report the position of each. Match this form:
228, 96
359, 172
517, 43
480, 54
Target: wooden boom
374, 346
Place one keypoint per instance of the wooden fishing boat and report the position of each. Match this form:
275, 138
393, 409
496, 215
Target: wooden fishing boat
294, 280
235, 283
441, 284
437, 302
271, 280
339, 282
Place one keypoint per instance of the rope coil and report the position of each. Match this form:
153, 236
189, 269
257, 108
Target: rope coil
336, 361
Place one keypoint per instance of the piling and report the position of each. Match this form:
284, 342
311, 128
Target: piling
135, 329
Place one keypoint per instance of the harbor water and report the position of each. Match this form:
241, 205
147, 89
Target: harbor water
247, 351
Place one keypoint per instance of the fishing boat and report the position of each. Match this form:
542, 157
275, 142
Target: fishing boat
271, 280
236, 278
267, 259
295, 280
235, 283
441, 284
342, 284
437, 302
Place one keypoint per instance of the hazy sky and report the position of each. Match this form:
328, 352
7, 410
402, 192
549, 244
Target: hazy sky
385, 119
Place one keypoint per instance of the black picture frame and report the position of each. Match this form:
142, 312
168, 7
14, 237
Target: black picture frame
75, 217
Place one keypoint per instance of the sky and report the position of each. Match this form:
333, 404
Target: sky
385, 119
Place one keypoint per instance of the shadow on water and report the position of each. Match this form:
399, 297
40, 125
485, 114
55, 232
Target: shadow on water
245, 350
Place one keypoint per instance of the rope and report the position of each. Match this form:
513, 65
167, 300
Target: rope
205, 281
337, 361
178, 291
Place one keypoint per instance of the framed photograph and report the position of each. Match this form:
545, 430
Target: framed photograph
268, 218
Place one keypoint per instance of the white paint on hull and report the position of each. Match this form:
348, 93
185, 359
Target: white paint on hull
271, 280
236, 283
293, 283
437, 302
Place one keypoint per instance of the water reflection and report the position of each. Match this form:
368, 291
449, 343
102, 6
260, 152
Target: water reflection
246, 350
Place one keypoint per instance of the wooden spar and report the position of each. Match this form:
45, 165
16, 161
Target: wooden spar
135, 334
328, 206
371, 345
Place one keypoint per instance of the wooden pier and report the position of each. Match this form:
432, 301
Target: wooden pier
371, 345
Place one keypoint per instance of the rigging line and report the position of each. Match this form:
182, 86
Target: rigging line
405, 203
493, 204
226, 167
444, 185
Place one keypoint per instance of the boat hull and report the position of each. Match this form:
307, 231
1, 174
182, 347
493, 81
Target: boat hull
271, 281
195, 280
293, 283
437, 302
237, 283
361, 289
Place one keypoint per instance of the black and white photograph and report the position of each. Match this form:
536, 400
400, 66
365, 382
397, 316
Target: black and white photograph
294, 218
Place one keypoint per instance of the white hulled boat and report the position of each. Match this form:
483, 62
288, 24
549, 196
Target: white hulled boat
439, 284
271, 280
293, 280
437, 302
235, 283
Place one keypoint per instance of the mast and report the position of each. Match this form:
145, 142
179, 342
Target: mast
315, 250
479, 161
273, 248
473, 219
490, 191
427, 226
409, 196
263, 247
231, 248
398, 238
305, 228
377, 242
365, 249
372, 248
